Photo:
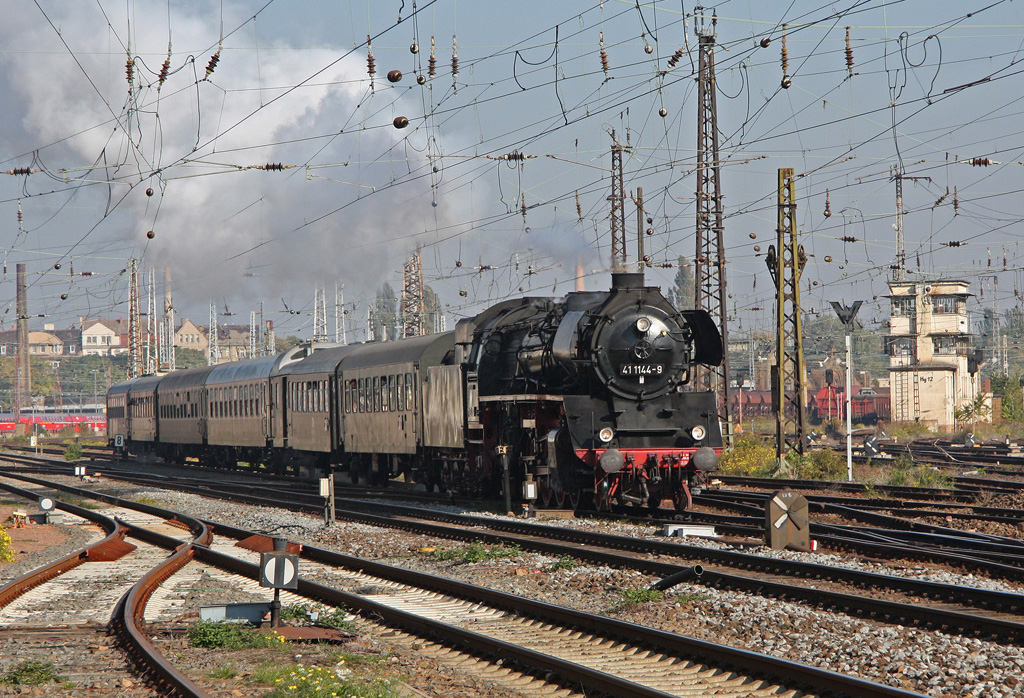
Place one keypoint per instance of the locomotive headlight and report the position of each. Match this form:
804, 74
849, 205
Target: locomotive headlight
643, 324
698, 433
606, 434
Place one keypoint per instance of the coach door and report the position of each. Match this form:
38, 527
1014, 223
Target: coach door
279, 416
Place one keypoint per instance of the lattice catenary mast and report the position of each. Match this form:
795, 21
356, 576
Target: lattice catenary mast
412, 296
709, 269
786, 264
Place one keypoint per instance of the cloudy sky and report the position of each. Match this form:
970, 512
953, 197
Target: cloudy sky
179, 152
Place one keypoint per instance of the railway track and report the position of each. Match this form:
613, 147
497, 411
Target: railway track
599, 654
105, 587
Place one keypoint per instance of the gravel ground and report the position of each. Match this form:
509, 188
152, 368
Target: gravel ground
930, 662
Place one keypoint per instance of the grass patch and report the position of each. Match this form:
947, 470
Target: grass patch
905, 473
223, 672
146, 499
299, 681
31, 674
476, 552
628, 598
325, 615
564, 562
231, 636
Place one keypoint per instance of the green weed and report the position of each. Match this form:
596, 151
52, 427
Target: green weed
223, 672
476, 552
230, 636
564, 562
298, 681
31, 674
628, 598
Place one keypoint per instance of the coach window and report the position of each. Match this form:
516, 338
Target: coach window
347, 396
392, 397
400, 388
410, 393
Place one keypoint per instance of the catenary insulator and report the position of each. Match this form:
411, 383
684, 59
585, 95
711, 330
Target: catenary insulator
604, 57
828, 206
849, 55
766, 42
151, 234
675, 58
401, 122
421, 79
129, 70
432, 63
849, 238
212, 65
579, 209
394, 75
414, 47
164, 70
149, 191
455, 58
980, 162
648, 49
663, 112
828, 258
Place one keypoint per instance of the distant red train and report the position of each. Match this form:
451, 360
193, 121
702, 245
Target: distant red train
867, 406
84, 424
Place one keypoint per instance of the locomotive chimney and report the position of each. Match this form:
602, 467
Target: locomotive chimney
627, 279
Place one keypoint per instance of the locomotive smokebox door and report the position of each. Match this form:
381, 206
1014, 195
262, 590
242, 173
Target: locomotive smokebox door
787, 523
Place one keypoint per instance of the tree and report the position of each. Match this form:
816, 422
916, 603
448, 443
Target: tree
431, 311
384, 316
1009, 388
189, 358
682, 295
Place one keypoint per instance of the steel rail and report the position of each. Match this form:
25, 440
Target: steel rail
112, 547
786, 672
127, 620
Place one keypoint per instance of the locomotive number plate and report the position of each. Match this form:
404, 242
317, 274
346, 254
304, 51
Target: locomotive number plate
641, 369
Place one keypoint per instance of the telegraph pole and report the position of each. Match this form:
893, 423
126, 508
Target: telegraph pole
709, 269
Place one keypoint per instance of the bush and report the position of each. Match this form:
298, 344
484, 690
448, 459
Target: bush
6, 547
73, 451
818, 465
750, 456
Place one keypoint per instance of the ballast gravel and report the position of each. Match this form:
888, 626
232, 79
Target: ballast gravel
930, 662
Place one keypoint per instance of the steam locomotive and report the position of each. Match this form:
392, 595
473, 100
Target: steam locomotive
575, 402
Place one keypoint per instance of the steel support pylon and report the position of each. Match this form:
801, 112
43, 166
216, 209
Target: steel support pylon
412, 296
786, 264
709, 269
